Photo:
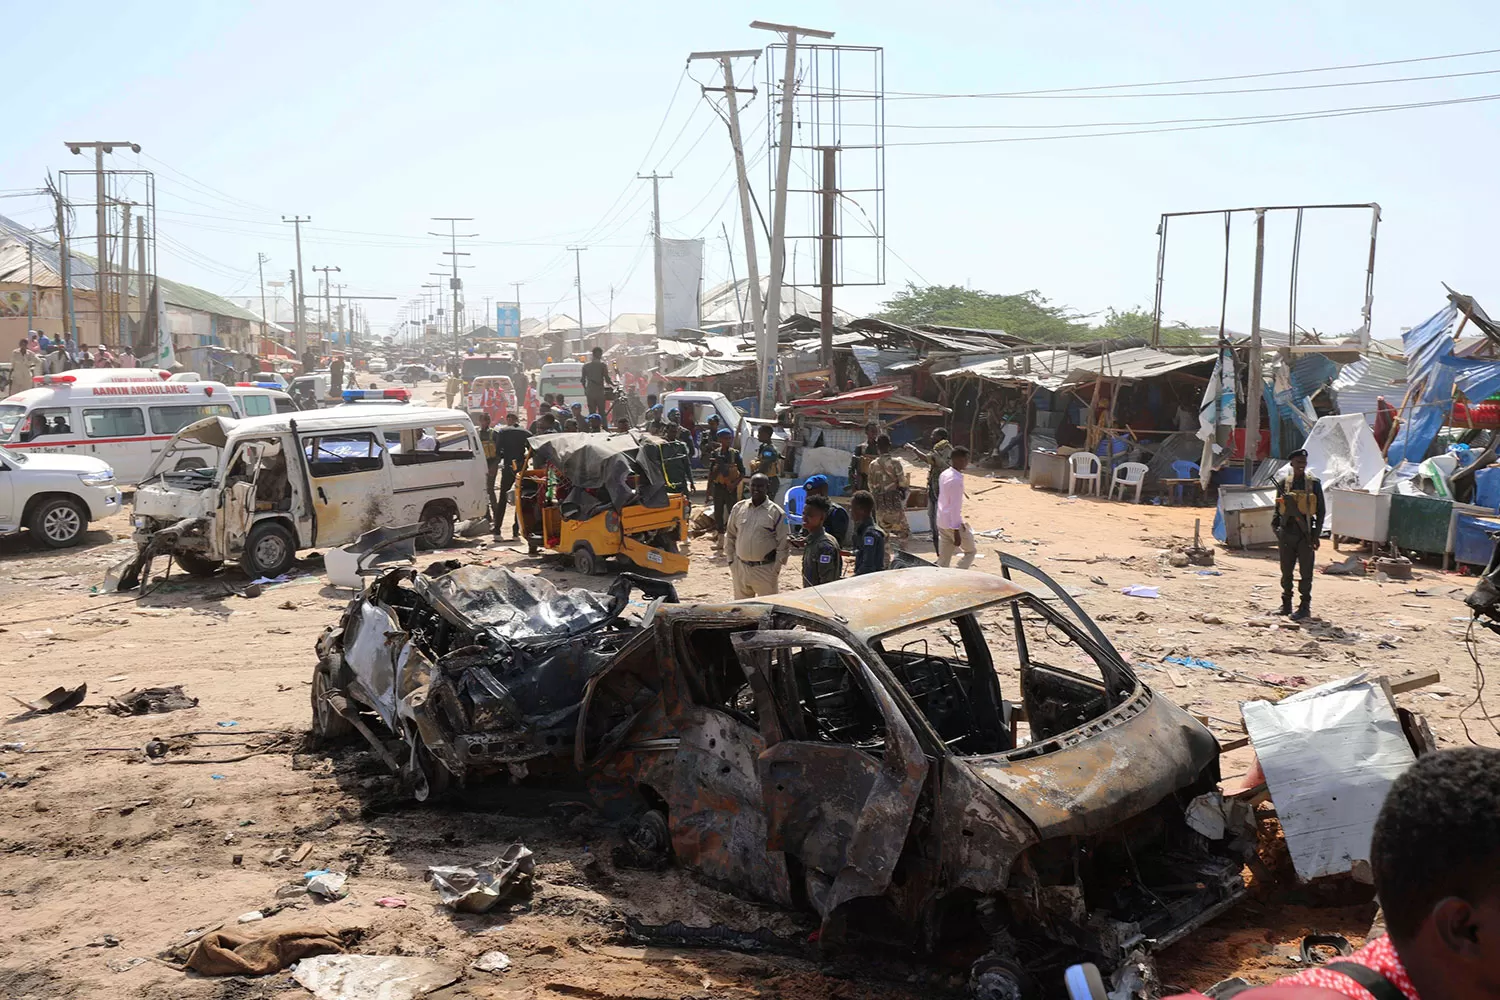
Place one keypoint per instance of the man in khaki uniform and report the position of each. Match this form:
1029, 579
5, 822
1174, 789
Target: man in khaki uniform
23, 366
888, 485
758, 541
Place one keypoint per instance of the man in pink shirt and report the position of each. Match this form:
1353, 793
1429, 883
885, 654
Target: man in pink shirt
953, 534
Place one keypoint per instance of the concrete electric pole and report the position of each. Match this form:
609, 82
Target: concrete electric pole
830, 194
260, 265
101, 213
766, 348
736, 140
327, 310
298, 291
661, 305
578, 284
454, 284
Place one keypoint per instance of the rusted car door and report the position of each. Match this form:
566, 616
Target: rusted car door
842, 810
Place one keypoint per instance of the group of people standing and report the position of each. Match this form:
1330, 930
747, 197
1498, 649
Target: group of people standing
39, 354
757, 533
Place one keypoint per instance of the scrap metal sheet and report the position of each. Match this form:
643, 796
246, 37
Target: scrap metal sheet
1329, 755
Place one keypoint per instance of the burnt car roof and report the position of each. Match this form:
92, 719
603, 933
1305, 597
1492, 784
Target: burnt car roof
878, 604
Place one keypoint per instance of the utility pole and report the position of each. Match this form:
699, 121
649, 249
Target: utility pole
326, 310
752, 263
767, 347
661, 306
260, 265
124, 306
298, 291
140, 268
1253, 387
454, 284
30, 290
739, 303
70, 318
829, 193
578, 284
101, 212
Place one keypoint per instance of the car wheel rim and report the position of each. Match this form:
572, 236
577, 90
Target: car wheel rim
61, 524
269, 551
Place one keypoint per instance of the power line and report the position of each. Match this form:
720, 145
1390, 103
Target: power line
1208, 79
1259, 120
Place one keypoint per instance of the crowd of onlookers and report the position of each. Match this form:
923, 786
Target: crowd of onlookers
39, 354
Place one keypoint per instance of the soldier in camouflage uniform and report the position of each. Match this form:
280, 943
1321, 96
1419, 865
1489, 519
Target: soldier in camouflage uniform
888, 484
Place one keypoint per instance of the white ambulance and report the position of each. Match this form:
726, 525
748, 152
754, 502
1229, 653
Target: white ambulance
124, 416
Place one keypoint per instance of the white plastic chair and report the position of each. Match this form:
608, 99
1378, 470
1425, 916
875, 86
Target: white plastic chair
1128, 474
1083, 467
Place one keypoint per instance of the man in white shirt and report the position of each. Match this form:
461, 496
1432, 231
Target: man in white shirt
953, 534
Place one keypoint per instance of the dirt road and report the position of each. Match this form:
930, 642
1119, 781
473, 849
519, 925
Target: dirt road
106, 858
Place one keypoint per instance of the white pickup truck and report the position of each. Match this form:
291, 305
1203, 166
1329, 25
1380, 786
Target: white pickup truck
56, 496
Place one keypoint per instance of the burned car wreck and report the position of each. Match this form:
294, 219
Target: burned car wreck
848, 749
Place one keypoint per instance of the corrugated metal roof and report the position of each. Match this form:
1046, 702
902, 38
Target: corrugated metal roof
1359, 383
1047, 369
707, 368
1135, 363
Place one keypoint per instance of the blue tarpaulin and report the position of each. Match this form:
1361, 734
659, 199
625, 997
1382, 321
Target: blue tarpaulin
1426, 347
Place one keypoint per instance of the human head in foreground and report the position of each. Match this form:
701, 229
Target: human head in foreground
1436, 858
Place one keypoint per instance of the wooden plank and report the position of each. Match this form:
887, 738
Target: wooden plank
1406, 684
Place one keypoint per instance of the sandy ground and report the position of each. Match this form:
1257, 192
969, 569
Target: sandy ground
106, 858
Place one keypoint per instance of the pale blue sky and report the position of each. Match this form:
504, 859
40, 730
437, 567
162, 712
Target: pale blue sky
533, 119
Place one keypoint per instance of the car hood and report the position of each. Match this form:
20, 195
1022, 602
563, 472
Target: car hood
46, 462
1142, 752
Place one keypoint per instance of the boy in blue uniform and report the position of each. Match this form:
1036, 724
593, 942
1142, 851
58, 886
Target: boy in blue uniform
868, 538
822, 562
837, 521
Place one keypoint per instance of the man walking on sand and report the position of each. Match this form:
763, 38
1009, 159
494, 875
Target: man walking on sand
952, 531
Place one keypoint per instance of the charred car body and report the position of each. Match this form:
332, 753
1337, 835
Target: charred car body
847, 749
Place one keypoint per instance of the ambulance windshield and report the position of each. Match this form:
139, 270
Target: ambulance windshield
10, 416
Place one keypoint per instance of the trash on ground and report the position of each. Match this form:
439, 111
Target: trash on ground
1353, 565
59, 699
1192, 661
1282, 680
372, 977
228, 953
329, 885
150, 701
477, 889
227, 723
1329, 754
492, 961
251, 917
1310, 648
1140, 590
391, 902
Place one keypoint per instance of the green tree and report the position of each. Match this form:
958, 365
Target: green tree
1028, 315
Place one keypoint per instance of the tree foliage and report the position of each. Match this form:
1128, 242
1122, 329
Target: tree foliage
1028, 315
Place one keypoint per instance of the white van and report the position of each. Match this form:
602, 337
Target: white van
260, 399
124, 416
314, 479
564, 378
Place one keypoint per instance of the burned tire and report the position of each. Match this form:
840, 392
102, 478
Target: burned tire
328, 726
58, 522
996, 978
437, 527
195, 565
584, 560
270, 550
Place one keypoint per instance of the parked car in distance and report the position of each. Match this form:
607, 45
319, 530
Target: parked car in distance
54, 496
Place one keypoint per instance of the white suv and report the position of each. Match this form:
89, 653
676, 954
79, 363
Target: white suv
56, 496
